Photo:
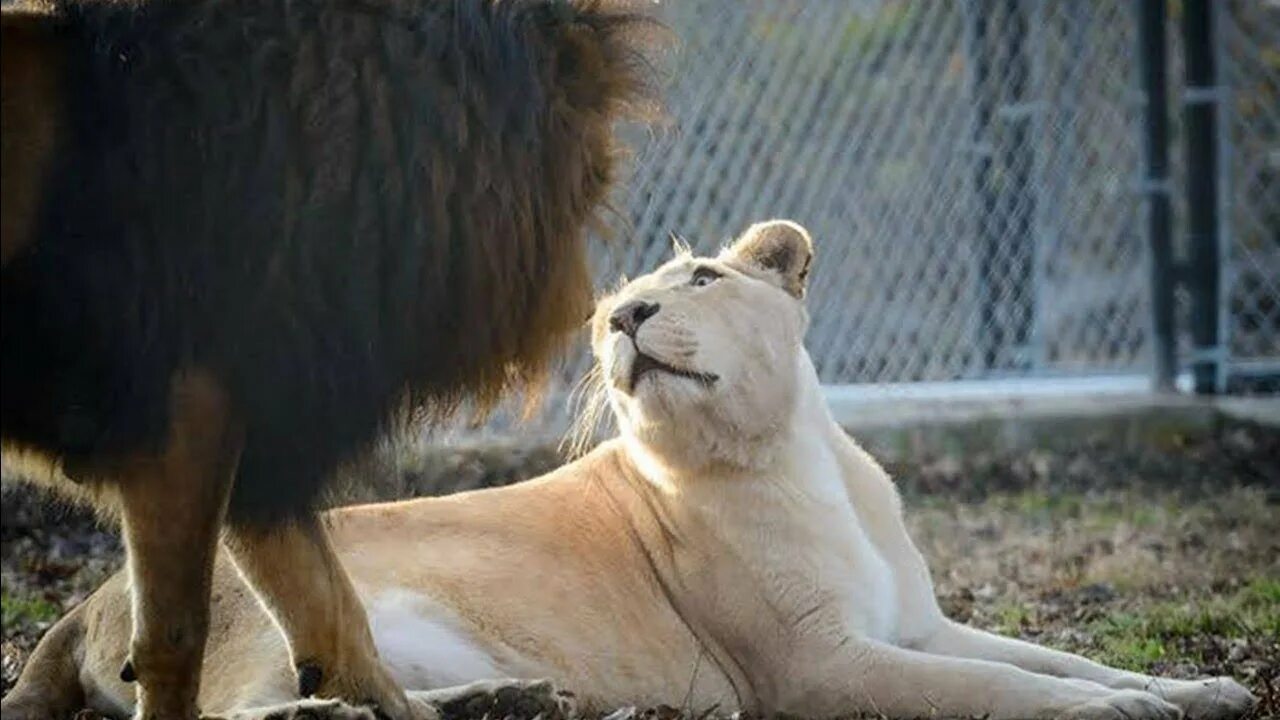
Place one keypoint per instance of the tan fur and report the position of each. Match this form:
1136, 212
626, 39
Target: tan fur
733, 547
171, 509
300, 580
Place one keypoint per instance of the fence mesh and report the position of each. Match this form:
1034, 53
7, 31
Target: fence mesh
969, 171
1249, 53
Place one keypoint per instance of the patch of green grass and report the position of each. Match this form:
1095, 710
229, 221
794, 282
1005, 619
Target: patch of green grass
1097, 512
18, 610
1132, 641
1171, 630
1042, 506
1011, 618
1145, 517
1134, 653
1262, 592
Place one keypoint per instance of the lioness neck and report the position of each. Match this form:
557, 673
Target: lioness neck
805, 433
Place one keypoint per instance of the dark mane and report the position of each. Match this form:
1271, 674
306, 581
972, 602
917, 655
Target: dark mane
343, 208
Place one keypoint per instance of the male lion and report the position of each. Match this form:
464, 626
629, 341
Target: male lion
732, 546
241, 236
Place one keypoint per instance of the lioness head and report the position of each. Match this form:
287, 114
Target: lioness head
699, 358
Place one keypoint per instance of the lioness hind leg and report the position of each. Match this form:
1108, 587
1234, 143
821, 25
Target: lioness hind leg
49, 686
172, 506
298, 577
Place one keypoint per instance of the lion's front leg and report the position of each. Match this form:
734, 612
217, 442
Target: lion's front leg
1209, 699
172, 505
298, 577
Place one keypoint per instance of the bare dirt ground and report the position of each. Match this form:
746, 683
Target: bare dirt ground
1163, 558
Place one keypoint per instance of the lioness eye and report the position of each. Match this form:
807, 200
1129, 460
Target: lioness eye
704, 276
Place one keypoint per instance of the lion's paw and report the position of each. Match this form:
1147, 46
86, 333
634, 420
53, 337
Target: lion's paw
1220, 698
522, 699
1125, 705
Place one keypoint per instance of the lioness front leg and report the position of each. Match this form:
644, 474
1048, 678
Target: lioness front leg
1200, 699
869, 676
298, 577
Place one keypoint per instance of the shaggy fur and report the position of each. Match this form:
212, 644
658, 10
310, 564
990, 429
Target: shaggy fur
339, 208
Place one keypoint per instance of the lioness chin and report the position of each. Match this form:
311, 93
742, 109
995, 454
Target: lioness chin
731, 546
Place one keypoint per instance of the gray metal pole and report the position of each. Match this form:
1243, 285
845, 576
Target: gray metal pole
1157, 189
1204, 266
1018, 229
983, 151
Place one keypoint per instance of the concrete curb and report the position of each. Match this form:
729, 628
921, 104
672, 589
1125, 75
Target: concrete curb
898, 422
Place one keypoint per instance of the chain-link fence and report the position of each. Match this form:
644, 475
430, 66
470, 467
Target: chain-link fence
971, 171
1249, 51
967, 169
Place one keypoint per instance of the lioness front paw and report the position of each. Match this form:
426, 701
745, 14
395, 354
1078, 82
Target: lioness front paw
306, 710
362, 680
521, 699
1219, 698
1125, 705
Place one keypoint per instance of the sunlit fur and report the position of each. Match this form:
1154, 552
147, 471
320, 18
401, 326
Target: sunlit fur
689, 422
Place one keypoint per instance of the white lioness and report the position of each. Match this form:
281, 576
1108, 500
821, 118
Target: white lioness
732, 546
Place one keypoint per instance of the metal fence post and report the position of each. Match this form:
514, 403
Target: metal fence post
1204, 264
1003, 168
1021, 200
1156, 188
982, 152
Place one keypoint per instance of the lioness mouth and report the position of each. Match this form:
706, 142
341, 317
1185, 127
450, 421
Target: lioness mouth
645, 364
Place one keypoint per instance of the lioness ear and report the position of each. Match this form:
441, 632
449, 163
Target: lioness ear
780, 246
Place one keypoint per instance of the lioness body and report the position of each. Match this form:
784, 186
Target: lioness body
733, 547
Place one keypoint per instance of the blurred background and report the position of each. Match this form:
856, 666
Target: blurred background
1000, 190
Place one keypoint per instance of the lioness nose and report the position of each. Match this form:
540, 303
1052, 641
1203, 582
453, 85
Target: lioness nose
628, 317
